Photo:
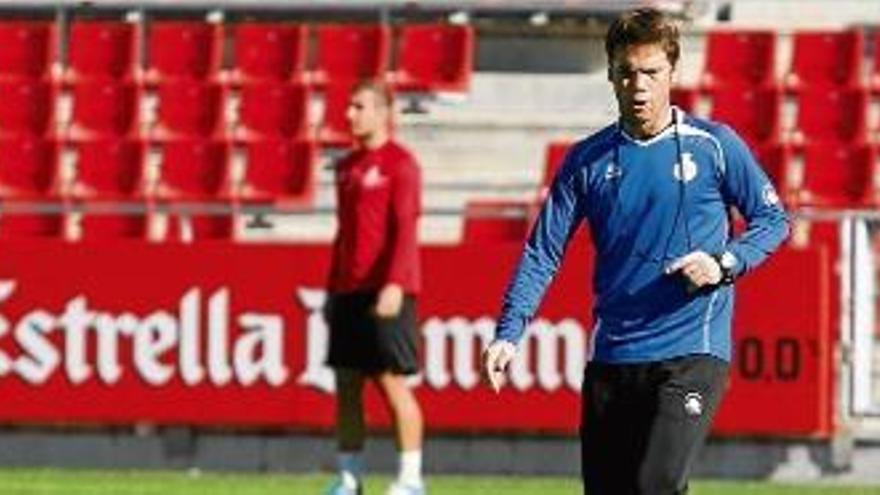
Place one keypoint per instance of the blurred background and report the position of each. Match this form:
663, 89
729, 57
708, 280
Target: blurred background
167, 204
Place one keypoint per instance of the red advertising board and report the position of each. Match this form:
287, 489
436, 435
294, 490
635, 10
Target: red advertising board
233, 335
783, 368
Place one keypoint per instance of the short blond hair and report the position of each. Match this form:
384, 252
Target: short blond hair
378, 88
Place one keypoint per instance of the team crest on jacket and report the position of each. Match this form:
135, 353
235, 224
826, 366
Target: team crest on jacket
686, 170
769, 195
693, 404
612, 171
373, 177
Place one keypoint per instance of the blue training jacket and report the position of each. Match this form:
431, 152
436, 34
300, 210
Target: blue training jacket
642, 216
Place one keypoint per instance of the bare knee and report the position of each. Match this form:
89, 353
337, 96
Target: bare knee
399, 396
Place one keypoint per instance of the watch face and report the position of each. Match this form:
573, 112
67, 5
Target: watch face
728, 260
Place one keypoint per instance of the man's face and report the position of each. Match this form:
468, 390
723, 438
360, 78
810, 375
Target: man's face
366, 113
642, 78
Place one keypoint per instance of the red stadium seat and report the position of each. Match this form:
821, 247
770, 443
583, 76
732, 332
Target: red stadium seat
807, 233
279, 172
434, 58
109, 170
194, 170
269, 52
189, 109
19, 225
105, 108
105, 226
207, 227
837, 176
554, 155
28, 108
832, 114
349, 52
739, 58
775, 159
183, 50
274, 110
27, 49
335, 130
826, 58
490, 221
29, 169
754, 113
29, 178
102, 50
684, 98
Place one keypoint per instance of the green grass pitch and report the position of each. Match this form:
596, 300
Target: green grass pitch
74, 482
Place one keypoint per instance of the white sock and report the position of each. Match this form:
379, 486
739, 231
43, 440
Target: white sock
410, 473
351, 468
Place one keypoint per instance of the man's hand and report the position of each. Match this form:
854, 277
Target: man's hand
390, 301
698, 268
496, 358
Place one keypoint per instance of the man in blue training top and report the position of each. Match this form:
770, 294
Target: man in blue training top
656, 189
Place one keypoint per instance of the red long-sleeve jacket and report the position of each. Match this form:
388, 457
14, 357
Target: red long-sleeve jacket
378, 195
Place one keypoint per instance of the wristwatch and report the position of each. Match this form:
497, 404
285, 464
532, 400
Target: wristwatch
727, 262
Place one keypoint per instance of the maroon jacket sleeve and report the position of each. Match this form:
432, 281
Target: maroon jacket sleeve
405, 211
333, 275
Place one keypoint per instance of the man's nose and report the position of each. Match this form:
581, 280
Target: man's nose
640, 81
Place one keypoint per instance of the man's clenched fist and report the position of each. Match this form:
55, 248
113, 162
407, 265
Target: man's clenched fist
698, 268
496, 358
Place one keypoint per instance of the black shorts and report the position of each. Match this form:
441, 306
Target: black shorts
363, 341
642, 425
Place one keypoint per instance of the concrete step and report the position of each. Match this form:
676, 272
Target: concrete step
320, 227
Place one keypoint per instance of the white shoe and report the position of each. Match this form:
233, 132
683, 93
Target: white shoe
398, 488
339, 487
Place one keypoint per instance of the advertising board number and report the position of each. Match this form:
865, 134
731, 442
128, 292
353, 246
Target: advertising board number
771, 360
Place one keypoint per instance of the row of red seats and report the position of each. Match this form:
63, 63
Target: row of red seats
181, 108
142, 224
747, 57
824, 175
824, 161
820, 175
499, 220
428, 57
494, 220
822, 114
271, 172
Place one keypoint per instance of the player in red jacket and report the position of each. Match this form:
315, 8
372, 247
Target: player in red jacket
374, 279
